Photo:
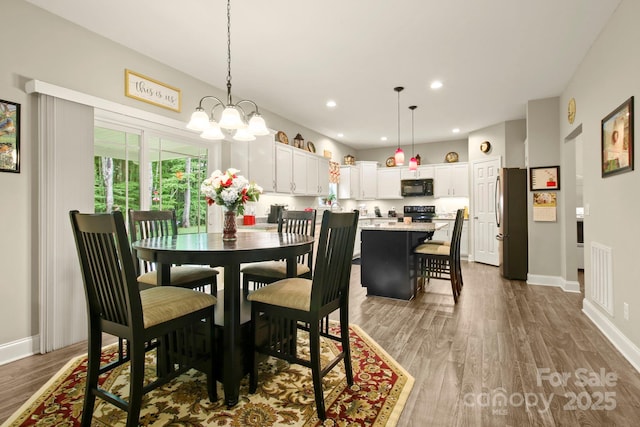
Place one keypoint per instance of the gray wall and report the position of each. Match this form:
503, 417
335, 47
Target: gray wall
543, 141
599, 88
432, 152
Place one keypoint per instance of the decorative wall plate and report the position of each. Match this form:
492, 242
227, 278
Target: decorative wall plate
282, 137
311, 147
451, 157
391, 162
485, 146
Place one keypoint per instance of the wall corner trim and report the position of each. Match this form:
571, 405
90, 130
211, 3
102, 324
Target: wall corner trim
629, 350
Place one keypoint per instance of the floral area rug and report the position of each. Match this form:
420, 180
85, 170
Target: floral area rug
284, 395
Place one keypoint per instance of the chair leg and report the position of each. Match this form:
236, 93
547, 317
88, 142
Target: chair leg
137, 382
346, 348
253, 355
93, 371
212, 389
314, 347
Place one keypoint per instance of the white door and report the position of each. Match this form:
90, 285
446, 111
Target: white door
485, 245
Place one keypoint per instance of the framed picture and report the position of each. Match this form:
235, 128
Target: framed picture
9, 136
617, 140
544, 178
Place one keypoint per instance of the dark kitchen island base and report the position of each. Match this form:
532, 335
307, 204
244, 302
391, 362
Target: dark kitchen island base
387, 262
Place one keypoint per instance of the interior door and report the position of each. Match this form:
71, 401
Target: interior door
485, 245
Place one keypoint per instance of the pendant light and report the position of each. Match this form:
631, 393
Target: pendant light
233, 116
399, 156
413, 163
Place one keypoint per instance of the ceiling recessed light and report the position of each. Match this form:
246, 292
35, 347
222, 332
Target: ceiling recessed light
340, 135
455, 130
384, 138
331, 103
436, 84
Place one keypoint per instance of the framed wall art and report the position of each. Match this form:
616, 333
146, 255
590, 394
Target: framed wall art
544, 178
152, 91
9, 136
617, 140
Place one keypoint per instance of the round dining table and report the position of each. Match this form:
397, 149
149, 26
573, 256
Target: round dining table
210, 249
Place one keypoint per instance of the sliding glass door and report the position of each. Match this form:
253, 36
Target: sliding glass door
143, 169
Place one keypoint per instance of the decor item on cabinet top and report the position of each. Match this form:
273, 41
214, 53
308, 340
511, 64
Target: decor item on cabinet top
391, 162
349, 160
230, 190
310, 147
399, 156
451, 157
233, 116
282, 137
298, 141
418, 159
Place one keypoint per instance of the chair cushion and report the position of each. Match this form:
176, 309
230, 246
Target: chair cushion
274, 269
292, 293
180, 275
437, 242
163, 303
429, 249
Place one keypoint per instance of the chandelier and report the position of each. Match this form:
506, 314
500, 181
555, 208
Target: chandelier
413, 163
399, 156
233, 116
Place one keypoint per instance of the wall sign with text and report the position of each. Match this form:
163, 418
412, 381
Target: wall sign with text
146, 89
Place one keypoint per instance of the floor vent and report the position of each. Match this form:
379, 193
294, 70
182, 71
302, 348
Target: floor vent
601, 276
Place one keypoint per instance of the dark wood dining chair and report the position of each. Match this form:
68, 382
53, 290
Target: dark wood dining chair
441, 260
278, 309
262, 273
146, 224
177, 322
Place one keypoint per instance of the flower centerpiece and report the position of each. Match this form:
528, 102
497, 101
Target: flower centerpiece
232, 191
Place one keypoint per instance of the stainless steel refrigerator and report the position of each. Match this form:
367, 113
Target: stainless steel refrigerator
511, 219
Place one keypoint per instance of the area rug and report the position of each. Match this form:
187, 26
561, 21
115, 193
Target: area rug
284, 395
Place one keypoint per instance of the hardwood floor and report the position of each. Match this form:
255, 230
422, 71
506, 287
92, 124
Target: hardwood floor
475, 363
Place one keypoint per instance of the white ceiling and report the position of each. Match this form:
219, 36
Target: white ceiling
291, 56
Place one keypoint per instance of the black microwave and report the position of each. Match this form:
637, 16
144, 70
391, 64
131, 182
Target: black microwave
416, 187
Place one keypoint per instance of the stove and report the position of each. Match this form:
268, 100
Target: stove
420, 213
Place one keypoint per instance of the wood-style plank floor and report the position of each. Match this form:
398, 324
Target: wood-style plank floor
507, 354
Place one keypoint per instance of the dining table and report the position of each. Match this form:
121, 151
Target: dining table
210, 249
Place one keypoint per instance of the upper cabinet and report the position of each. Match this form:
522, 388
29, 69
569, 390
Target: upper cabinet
262, 164
368, 180
421, 173
389, 183
300, 172
451, 180
349, 187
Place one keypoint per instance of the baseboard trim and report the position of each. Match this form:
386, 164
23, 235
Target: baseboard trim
629, 350
557, 281
15, 350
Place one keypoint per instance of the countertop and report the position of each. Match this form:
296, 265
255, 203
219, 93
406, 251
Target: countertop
400, 226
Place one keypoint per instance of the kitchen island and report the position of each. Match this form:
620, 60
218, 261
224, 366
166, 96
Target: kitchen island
387, 268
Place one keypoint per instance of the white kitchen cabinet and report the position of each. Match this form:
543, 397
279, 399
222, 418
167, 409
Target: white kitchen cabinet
451, 181
299, 166
262, 163
323, 176
389, 183
284, 168
368, 180
349, 186
422, 172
